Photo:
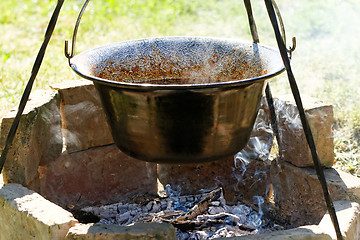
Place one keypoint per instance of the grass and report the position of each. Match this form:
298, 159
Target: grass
326, 62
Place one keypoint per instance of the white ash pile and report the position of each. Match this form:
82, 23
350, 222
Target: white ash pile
204, 216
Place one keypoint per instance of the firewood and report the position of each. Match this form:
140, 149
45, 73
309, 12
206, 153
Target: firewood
202, 206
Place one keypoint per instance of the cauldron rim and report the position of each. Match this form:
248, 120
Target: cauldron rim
146, 86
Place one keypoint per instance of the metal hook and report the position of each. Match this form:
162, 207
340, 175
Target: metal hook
293, 47
282, 28
71, 55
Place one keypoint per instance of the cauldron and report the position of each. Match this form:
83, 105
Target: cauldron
180, 99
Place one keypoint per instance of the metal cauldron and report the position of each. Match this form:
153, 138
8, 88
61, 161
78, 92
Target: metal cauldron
180, 99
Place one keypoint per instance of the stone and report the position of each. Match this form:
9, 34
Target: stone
192, 178
348, 182
24, 214
345, 182
101, 175
348, 215
306, 233
139, 231
84, 121
292, 144
38, 139
299, 198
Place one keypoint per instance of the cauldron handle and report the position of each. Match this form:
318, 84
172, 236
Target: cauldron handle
247, 4
71, 55
282, 28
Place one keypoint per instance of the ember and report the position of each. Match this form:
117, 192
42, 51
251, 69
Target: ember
203, 216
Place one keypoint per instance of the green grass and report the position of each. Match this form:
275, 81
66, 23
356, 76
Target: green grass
326, 62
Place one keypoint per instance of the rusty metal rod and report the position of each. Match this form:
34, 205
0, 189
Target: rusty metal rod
305, 124
274, 124
269, 98
34, 72
251, 19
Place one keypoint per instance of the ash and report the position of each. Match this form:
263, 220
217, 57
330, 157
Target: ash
203, 216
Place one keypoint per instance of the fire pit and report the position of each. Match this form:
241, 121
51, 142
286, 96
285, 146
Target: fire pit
78, 167
198, 98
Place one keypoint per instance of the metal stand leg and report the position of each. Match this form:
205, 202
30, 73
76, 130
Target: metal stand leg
284, 54
30, 83
305, 124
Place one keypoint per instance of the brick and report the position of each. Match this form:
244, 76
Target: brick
140, 231
84, 121
261, 138
192, 178
37, 141
101, 175
293, 144
27, 215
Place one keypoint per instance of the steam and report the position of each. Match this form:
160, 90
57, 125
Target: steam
259, 144
51, 117
74, 117
326, 59
289, 114
241, 160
